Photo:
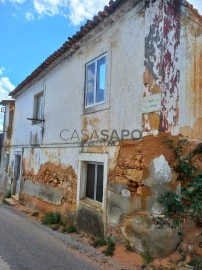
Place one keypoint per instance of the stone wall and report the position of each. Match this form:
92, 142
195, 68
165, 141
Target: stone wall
56, 177
133, 163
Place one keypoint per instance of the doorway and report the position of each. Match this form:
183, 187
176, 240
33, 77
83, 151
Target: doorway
17, 175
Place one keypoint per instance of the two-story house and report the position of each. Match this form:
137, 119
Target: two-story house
90, 119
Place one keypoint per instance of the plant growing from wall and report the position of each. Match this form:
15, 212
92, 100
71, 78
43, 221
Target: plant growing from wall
190, 203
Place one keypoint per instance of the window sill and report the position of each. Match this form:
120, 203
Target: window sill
96, 108
91, 204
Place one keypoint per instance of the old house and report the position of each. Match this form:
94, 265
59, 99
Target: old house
90, 119
6, 164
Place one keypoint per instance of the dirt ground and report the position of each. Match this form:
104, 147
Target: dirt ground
130, 260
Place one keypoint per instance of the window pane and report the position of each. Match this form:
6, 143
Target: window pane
17, 165
100, 85
10, 118
39, 106
90, 82
90, 181
99, 191
7, 161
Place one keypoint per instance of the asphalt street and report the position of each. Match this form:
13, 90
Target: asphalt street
26, 245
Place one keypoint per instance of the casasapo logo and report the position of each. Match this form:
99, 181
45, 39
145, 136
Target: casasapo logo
104, 135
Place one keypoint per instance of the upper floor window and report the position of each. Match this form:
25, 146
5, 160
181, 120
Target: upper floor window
7, 158
38, 106
10, 122
95, 84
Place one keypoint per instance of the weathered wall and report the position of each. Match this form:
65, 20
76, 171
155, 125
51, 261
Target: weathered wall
191, 81
147, 54
47, 171
6, 174
162, 65
121, 38
130, 171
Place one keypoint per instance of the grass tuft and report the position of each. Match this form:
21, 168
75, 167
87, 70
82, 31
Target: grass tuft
51, 218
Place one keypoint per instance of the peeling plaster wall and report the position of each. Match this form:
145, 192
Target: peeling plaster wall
50, 169
148, 51
120, 38
64, 85
162, 68
191, 82
171, 67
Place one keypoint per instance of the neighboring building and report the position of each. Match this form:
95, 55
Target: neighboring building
1, 144
135, 67
6, 161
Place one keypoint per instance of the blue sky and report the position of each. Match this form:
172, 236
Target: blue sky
33, 29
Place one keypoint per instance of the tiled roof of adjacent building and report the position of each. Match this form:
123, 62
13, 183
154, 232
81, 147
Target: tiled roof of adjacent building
4, 102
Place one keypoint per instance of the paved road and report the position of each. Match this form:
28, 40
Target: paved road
26, 245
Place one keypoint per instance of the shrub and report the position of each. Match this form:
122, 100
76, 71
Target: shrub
71, 229
173, 209
109, 243
109, 251
51, 218
192, 196
191, 179
7, 194
196, 262
99, 243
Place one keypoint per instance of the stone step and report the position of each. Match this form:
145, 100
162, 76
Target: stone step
15, 197
10, 201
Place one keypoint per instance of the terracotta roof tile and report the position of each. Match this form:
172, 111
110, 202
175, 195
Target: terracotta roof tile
71, 46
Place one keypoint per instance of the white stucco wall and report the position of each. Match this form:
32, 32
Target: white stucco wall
64, 86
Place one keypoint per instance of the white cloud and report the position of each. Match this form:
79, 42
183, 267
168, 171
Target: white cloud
50, 7
29, 16
81, 10
5, 87
77, 10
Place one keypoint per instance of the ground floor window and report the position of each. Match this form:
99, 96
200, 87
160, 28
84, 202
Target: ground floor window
94, 181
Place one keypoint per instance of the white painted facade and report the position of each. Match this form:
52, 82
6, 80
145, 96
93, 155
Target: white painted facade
121, 37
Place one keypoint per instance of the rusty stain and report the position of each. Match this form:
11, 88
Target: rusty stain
193, 75
89, 128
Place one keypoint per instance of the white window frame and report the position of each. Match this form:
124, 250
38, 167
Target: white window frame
95, 60
35, 105
84, 159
